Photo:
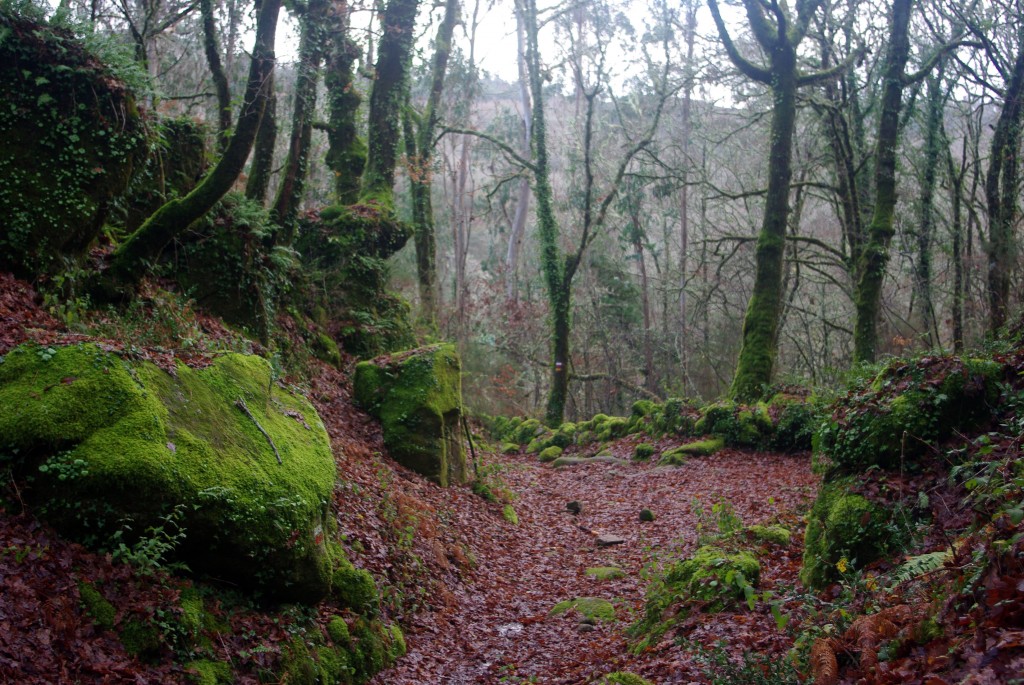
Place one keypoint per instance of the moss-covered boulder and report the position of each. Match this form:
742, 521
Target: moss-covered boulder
344, 253
71, 138
845, 531
417, 395
225, 455
905, 410
739, 425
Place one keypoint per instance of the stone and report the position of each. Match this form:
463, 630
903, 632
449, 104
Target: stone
608, 539
417, 395
574, 507
646, 515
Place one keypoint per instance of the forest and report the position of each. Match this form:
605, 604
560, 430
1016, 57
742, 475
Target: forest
584, 342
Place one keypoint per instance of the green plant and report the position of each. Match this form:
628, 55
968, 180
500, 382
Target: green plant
752, 668
150, 552
721, 521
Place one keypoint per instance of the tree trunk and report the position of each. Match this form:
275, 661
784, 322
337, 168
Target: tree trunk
926, 228
129, 262
220, 79
760, 325
422, 148
875, 257
1001, 187
685, 129
386, 100
262, 167
518, 228
293, 178
346, 152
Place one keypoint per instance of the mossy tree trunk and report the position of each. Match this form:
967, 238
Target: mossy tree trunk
419, 150
220, 79
262, 167
346, 152
387, 98
875, 256
312, 44
779, 32
129, 262
1001, 188
936, 100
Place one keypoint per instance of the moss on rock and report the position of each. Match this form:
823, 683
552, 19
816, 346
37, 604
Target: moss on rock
594, 608
99, 609
605, 573
150, 442
417, 396
776, 535
71, 139
678, 456
550, 453
207, 672
844, 525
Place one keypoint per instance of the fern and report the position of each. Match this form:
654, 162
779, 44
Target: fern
915, 567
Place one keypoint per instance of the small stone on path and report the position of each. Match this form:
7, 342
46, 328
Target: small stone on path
608, 539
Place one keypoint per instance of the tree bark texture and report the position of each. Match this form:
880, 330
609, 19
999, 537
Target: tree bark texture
220, 79
262, 167
346, 152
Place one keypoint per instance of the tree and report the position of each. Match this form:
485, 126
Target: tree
419, 143
778, 32
175, 216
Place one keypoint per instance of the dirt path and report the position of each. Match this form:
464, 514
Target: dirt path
502, 631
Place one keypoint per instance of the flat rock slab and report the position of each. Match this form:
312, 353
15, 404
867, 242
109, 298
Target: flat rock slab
609, 539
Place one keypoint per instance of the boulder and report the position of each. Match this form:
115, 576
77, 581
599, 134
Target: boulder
417, 395
122, 450
71, 139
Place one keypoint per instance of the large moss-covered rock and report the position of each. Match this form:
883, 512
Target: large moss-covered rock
417, 395
845, 531
906, 410
344, 252
71, 137
127, 443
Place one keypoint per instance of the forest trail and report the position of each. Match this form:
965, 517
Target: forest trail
502, 630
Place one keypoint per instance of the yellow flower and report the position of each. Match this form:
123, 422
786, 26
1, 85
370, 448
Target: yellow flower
841, 565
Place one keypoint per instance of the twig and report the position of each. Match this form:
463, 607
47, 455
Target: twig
472, 450
240, 403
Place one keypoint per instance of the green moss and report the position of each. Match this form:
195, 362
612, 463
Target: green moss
589, 607
325, 349
333, 665
99, 609
713, 577
298, 665
193, 614
643, 451
776, 535
843, 525
418, 398
150, 440
527, 431
370, 653
605, 573
509, 448
612, 428
509, 514
337, 630
355, 588
141, 639
550, 453
905, 410
741, 426
398, 647
206, 672
643, 408
536, 445
699, 448
625, 678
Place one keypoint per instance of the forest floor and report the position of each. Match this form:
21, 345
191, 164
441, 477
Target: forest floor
503, 631
473, 590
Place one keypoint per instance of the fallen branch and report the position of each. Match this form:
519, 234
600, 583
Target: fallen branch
240, 403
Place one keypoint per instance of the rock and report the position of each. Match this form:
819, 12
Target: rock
646, 515
585, 628
594, 608
96, 430
574, 507
417, 395
605, 573
608, 539
71, 140
574, 461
